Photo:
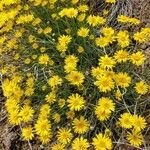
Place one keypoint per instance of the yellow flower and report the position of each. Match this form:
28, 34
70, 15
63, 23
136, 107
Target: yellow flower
70, 63
83, 32
137, 58
138, 122
141, 87
75, 78
122, 79
95, 20
47, 30
106, 62
55, 81
106, 104
81, 17
42, 127
104, 108
74, 1
69, 12
36, 21
102, 41
101, 142
110, 1
63, 42
107, 31
44, 111
70, 114
118, 95
140, 37
80, 144
125, 120
126, 19
80, 125
76, 102
123, 39
70, 67
64, 135
58, 146
56, 117
104, 83
45, 138
27, 61
26, 113
121, 56
27, 133
123, 19
71, 59
44, 59
51, 97
80, 49
135, 138
97, 72
14, 118
83, 8
65, 39
61, 103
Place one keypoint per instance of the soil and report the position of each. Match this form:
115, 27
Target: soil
9, 136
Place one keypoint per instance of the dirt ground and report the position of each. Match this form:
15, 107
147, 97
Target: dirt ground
9, 136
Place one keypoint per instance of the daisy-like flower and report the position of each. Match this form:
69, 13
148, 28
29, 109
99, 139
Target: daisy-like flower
123, 39
125, 120
101, 142
101, 114
70, 115
104, 108
26, 113
83, 8
137, 58
76, 102
95, 20
55, 81
58, 146
69, 12
75, 78
106, 104
106, 62
64, 135
42, 127
71, 59
97, 72
141, 87
102, 41
121, 56
104, 83
44, 59
80, 125
64, 39
83, 32
135, 138
108, 31
80, 144
51, 97
122, 79
27, 133
138, 122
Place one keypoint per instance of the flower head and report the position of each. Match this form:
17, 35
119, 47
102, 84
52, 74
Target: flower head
80, 144
101, 142
80, 125
76, 102
64, 135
